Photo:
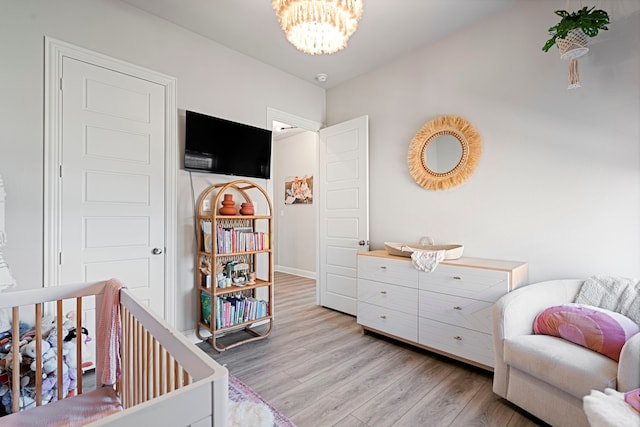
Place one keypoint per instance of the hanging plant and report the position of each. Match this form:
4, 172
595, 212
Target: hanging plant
572, 34
590, 21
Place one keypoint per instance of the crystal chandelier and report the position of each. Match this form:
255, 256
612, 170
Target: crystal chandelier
318, 26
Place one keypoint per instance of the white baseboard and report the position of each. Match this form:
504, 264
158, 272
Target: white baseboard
296, 271
191, 336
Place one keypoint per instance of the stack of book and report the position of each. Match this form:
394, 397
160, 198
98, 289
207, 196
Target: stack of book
231, 310
240, 239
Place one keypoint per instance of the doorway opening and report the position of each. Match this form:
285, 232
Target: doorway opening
295, 211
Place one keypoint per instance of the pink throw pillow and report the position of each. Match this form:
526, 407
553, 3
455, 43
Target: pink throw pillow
595, 328
633, 398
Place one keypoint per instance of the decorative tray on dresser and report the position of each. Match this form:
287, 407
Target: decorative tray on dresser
447, 311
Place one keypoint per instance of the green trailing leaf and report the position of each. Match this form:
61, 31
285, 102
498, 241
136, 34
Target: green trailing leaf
590, 21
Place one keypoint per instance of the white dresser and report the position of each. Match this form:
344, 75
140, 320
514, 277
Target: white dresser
447, 311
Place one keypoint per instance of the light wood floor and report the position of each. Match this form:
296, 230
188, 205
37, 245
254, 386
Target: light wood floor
318, 369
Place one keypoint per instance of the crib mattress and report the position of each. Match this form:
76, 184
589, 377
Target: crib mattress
73, 411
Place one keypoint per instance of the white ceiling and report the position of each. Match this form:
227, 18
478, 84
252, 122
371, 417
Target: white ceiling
388, 29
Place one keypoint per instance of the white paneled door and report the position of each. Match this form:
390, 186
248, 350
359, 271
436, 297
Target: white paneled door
112, 188
343, 211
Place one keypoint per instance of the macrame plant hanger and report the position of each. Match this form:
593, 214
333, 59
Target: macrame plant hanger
573, 47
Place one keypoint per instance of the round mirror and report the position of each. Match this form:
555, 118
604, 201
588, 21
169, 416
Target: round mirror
444, 153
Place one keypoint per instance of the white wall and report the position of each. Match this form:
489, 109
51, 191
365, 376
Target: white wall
211, 79
296, 223
558, 183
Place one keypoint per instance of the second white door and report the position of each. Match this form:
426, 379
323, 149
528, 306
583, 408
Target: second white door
343, 212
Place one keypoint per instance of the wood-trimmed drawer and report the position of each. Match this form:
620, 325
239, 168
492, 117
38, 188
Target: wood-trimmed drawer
468, 282
386, 295
396, 323
397, 272
461, 342
454, 310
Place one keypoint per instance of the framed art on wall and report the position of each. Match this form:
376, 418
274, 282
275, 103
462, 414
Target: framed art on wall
298, 190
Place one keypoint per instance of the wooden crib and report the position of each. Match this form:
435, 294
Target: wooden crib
165, 380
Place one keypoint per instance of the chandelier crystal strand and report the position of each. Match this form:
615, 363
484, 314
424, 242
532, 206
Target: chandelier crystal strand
318, 26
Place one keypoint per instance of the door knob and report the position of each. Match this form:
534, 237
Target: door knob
156, 251
362, 243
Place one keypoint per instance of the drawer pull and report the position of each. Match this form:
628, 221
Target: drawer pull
457, 307
383, 292
383, 317
383, 267
457, 278
457, 337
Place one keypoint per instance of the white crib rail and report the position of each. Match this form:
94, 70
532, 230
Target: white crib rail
166, 380
15, 301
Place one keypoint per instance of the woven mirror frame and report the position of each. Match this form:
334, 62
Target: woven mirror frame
471, 144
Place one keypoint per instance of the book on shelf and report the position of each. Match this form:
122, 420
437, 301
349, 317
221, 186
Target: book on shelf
205, 225
205, 300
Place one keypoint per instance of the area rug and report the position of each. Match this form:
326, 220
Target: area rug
248, 409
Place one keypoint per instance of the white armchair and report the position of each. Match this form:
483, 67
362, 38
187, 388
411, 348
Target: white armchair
548, 376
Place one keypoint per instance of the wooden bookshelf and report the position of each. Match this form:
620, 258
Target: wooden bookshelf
220, 249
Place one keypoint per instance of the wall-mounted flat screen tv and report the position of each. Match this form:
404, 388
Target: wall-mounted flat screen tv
224, 147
